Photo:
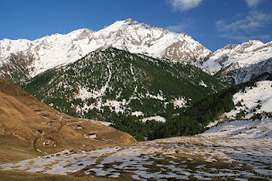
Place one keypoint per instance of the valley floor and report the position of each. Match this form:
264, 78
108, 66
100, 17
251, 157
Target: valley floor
202, 157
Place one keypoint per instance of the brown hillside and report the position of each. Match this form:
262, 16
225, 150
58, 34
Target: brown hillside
9, 88
29, 128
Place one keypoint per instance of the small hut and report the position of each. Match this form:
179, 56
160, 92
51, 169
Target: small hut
78, 127
91, 135
40, 132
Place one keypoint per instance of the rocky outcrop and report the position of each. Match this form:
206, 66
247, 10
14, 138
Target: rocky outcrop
259, 71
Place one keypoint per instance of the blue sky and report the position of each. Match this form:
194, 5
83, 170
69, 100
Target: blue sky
214, 23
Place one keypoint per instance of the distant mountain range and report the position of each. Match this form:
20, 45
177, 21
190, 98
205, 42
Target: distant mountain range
23, 59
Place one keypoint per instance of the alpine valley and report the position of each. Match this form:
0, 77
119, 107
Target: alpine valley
143, 80
131, 73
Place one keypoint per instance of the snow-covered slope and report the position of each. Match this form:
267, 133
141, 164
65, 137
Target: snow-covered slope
243, 129
252, 100
242, 62
252, 116
51, 51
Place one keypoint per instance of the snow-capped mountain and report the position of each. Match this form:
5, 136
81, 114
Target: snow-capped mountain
52, 51
34, 57
243, 62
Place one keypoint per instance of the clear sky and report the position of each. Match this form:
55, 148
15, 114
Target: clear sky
214, 23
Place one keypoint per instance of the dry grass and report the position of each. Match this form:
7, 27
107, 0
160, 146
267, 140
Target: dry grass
22, 115
23, 176
11, 153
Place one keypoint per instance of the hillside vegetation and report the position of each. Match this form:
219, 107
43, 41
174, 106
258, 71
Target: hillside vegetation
128, 89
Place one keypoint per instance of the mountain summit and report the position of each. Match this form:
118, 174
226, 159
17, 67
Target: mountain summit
23, 59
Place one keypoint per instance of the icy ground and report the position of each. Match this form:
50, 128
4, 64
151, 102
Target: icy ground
182, 158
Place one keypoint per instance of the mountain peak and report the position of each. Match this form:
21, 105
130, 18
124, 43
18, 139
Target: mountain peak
81, 33
252, 43
131, 21
229, 46
122, 24
83, 30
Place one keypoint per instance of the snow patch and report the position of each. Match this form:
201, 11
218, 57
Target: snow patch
202, 83
156, 118
179, 103
137, 113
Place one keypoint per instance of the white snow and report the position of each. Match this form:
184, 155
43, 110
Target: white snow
158, 96
156, 118
137, 113
251, 98
179, 103
117, 106
202, 83
242, 129
83, 93
99, 122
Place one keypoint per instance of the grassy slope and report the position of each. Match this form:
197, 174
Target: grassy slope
23, 176
19, 123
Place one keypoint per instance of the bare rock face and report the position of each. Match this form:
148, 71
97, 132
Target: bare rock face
17, 67
259, 71
178, 52
174, 52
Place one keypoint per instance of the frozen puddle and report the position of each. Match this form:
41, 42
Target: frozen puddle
180, 158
